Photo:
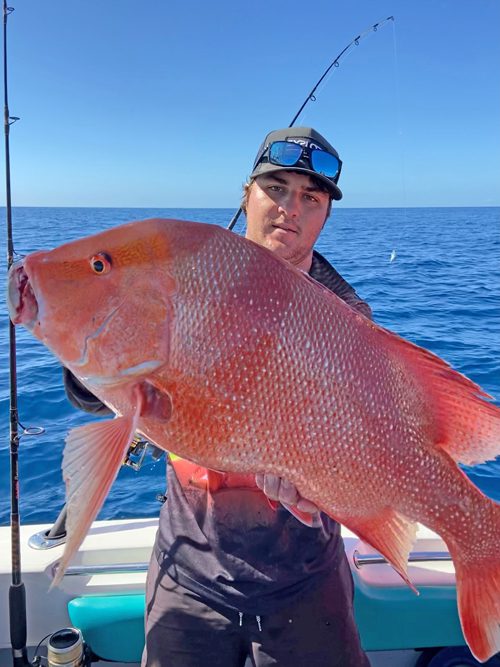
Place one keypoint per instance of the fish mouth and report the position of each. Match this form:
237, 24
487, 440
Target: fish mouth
23, 306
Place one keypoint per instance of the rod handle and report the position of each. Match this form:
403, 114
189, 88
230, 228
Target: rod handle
17, 613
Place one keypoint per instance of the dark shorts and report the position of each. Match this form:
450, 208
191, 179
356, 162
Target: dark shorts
318, 630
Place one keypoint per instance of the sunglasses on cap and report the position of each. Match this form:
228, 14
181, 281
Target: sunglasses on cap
289, 153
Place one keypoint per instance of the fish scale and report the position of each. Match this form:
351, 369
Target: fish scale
242, 363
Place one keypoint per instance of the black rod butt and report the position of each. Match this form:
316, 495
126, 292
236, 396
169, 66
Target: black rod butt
17, 612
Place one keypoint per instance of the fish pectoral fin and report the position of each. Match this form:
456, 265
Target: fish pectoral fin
390, 533
89, 476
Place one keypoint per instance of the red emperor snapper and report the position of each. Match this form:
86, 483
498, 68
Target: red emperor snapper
199, 340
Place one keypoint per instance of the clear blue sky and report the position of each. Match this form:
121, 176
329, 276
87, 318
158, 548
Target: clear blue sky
164, 103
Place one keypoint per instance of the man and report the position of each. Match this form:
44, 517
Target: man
233, 574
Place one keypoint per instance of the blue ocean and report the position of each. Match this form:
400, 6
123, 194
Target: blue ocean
430, 274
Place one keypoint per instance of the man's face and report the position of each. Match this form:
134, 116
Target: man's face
285, 213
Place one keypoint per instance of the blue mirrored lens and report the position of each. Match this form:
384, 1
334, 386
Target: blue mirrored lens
325, 163
284, 153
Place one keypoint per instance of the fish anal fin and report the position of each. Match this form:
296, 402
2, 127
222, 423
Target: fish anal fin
89, 476
391, 534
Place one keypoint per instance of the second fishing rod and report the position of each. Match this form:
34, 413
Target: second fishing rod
311, 95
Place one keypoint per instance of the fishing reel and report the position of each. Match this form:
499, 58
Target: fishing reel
65, 648
139, 447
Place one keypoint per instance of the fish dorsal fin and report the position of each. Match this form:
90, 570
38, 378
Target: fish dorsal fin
467, 426
89, 476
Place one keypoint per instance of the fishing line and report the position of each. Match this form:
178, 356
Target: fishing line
402, 156
311, 96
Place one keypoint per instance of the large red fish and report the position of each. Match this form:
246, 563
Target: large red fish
215, 349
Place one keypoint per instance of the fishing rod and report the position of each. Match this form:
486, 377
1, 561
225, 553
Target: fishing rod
17, 593
311, 97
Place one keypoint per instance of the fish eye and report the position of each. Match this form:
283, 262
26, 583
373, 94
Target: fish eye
100, 263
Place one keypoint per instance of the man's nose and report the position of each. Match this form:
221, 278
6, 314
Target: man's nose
290, 205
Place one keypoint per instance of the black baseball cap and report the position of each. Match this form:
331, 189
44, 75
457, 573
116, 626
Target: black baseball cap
304, 136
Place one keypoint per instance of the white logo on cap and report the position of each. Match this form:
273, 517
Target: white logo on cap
305, 142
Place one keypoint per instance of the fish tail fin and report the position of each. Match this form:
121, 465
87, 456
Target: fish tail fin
478, 590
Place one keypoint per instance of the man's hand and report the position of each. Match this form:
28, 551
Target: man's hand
282, 491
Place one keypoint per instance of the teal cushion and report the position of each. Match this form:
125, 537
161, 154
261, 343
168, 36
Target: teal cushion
113, 626
396, 618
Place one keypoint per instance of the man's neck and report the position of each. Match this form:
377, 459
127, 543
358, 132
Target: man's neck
305, 264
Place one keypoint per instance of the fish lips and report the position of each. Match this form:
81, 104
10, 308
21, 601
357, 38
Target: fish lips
22, 302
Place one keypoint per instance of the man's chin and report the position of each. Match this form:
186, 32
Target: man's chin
282, 249
290, 252
279, 247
